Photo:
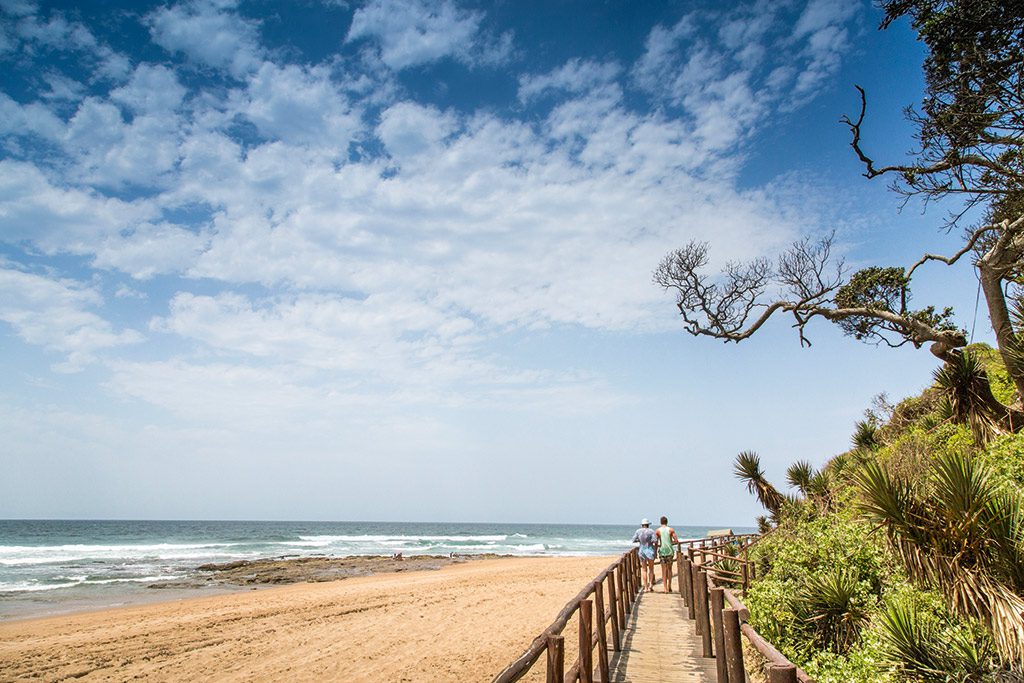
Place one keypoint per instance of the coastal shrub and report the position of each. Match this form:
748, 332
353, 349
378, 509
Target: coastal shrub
922, 640
1005, 455
801, 604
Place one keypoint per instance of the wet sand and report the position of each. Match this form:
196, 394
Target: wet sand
464, 622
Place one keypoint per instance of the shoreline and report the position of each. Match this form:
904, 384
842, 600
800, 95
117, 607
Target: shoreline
464, 621
220, 579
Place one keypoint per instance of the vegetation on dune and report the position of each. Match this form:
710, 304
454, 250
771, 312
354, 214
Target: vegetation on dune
902, 558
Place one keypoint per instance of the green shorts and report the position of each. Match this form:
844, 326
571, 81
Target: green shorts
665, 559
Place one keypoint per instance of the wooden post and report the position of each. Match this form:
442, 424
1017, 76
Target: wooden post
782, 673
717, 605
733, 645
586, 641
627, 604
602, 637
602, 634
687, 577
702, 607
622, 598
695, 611
746, 579
613, 607
682, 580
556, 659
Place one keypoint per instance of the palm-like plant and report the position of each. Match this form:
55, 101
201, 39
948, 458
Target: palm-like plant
799, 475
964, 384
747, 469
918, 647
865, 435
961, 533
830, 602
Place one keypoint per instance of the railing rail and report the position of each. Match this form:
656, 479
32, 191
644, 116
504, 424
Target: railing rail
730, 622
620, 582
720, 615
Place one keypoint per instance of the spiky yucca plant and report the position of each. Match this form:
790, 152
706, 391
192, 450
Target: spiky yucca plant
799, 475
865, 435
961, 533
916, 645
964, 385
747, 469
830, 602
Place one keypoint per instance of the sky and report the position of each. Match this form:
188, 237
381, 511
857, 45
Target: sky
391, 260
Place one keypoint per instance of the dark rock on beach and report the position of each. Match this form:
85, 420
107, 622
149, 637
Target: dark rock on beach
283, 570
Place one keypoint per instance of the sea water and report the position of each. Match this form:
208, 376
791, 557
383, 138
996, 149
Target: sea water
52, 566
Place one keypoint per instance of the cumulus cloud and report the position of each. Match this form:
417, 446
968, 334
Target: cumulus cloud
575, 76
55, 314
209, 33
413, 32
760, 60
307, 224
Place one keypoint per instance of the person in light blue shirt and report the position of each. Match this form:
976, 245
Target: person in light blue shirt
646, 537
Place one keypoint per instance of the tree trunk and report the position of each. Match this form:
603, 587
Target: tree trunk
999, 315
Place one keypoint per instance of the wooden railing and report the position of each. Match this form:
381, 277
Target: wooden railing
617, 587
721, 627
720, 616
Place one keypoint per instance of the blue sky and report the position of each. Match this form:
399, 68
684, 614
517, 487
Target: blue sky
392, 260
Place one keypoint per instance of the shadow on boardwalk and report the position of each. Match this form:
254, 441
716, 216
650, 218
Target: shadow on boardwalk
660, 644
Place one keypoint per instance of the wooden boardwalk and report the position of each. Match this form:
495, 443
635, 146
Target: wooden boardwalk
660, 644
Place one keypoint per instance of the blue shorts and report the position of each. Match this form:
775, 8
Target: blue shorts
647, 553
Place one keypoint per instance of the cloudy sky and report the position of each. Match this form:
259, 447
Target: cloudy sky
392, 260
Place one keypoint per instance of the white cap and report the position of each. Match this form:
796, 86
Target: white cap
645, 522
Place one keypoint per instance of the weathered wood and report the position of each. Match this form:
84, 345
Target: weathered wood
733, 646
702, 614
717, 605
737, 605
769, 652
746, 580
602, 637
687, 578
620, 576
586, 646
613, 607
782, 673
679, 573
695, 612
556, 658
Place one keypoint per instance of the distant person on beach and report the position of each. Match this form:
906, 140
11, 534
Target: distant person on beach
646, 537
665, 544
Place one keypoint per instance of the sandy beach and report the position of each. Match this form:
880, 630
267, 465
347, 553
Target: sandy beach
463, 622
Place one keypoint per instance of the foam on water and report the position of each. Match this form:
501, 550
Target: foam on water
79, 558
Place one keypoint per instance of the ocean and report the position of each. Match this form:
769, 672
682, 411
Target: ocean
56, 566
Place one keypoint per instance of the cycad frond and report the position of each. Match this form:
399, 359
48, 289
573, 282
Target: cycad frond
747, 469
963, 536
865, 435
799, 475
964, 384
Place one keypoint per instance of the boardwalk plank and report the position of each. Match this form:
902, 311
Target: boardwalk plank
660, 645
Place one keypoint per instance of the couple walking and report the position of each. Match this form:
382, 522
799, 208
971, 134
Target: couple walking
661, 543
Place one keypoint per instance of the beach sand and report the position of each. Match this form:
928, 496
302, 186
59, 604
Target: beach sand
464, 622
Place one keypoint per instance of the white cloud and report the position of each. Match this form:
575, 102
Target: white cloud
759, 63
209, 33
414, 32
299, 105
153, 89
575, 76
28, 119
409, 130
58, 219
55, 314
